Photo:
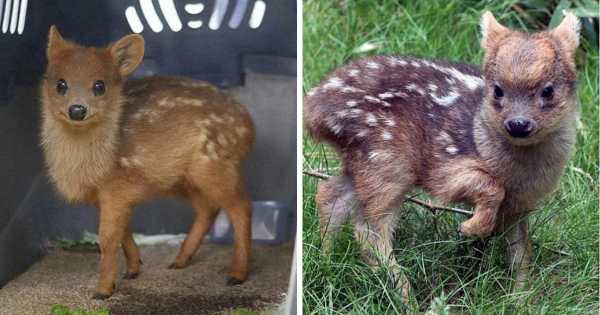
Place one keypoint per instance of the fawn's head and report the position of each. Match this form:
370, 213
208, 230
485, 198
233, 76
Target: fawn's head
82, 85
530, 79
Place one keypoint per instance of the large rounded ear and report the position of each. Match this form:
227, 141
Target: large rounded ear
55, 41
567, 32
127, 53
491, 30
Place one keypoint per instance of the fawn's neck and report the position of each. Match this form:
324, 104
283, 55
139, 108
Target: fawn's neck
79, 160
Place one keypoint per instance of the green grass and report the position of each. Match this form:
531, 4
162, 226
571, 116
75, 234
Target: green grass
444, 272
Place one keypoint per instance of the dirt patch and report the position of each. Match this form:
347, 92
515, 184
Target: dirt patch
68, 278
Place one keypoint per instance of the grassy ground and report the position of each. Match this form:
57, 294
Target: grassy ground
444, 271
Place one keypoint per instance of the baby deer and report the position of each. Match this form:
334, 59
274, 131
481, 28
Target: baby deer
114, 143
498, 138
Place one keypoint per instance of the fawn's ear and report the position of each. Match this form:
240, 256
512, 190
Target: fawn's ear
491, 30
55, 41
567, 32
127, 53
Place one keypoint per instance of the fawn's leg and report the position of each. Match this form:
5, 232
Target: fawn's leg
379, 187
114, 218
464, 180
519, 249
335, 200
376, 236
240, 215
221, 183
132, 255
205, 216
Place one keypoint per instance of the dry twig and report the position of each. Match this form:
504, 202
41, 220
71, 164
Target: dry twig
426, 204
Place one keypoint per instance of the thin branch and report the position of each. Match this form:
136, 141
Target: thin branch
426, 204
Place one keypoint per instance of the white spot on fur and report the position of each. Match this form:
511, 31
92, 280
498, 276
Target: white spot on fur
415, 64
373, 65
386, 95
354, 72
210, 150
351, 89
312, 92
372, 99
241, 131
397, 61
355, 112
432, 87
389, 122
445, 100
336, 129
351, 103
216, 118
222, 140
470, 81
362, 133
386, 135
452, 149
445, 139
202, 138
334, 83
380, 156
125, 162
371, 120
401, 94
415, 88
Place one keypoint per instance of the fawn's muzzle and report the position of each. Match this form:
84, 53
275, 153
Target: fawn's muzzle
519, 127
77, 112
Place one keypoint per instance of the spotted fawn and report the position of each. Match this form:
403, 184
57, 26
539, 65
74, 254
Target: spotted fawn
114, 143
496, 137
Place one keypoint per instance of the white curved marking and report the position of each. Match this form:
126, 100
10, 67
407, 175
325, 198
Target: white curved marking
194, 8
13, 18
22, 16
258, 13
168, 9
1, 10
218, 14
238, 14
151, 16
194, 24
6, 16
134, 20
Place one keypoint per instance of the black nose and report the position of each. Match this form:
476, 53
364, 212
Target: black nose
77, 112
519, 127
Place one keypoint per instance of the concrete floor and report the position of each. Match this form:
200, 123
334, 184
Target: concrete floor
68, 278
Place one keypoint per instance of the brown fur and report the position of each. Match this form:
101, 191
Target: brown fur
142, 139
402, 122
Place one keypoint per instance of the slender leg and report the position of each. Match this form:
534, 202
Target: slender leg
114, 218
205, 216
224, 189
464, 180
132, 255
519, 250
240, 215
335, 200
376, 235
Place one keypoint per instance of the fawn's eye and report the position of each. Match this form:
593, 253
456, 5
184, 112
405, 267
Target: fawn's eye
548, 92
498, 93
99, 88
61, 87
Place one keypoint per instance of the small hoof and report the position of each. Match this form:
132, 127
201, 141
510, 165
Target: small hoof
101, 296
231, 281
175, 266
130, 275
